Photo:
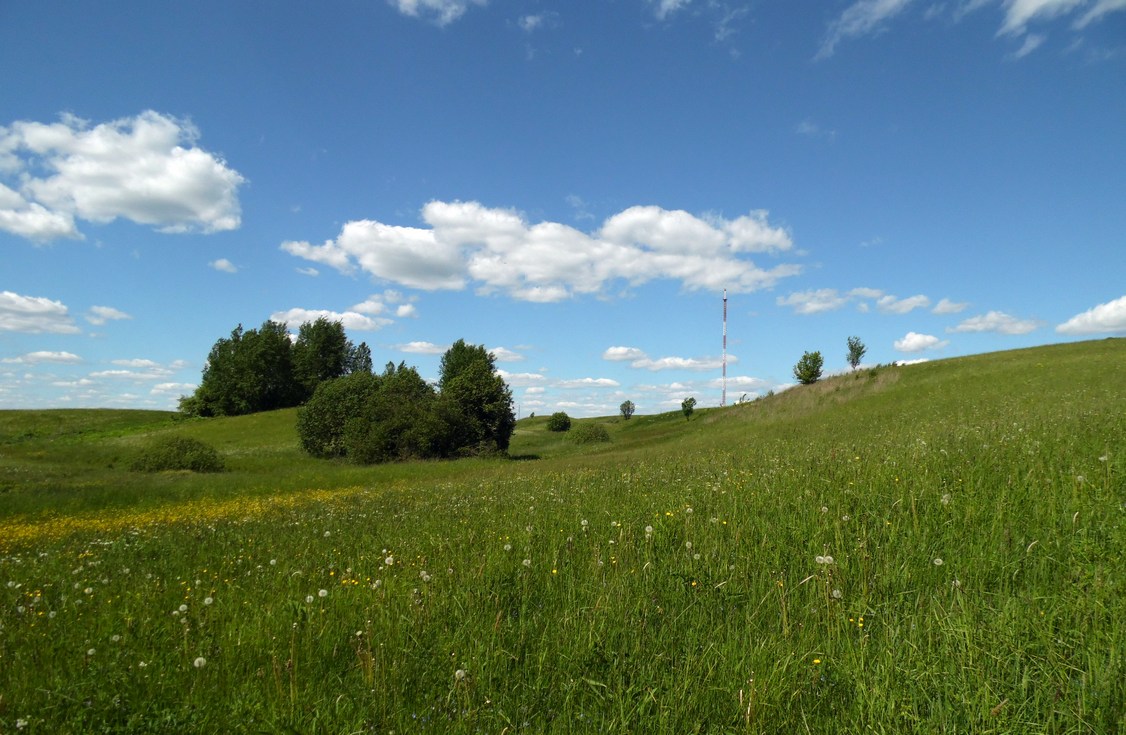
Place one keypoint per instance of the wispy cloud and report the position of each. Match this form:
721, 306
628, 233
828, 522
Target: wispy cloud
998, 322
862, 18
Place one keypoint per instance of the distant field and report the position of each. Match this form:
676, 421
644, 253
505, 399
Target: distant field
933, 548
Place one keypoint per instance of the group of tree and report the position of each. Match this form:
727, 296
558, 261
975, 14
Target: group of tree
266, 368
808, 368
397, 415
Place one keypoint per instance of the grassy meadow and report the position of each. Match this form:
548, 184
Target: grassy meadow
921, 549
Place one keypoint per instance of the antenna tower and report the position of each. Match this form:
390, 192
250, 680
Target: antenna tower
723, 401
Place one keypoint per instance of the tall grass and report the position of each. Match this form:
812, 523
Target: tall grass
916, 550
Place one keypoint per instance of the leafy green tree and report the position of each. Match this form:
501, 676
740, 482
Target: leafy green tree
627, 409
808, 369
359, 360
477, 396
856, 350
559, 421
321, 353
321, 421
687, 406
399, 421
249, 371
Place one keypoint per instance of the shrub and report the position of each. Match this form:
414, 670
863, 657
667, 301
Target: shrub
559, 421
588, 434
808, 369
321, 422
177, 453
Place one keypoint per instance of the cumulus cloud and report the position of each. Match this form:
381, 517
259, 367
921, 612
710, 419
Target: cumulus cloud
498, 251
421, 348
915, 342
224, 266
946, 306
99, 315
862, 18
1108, 318
996, 321
35, 358
532, 381
894, 305
638, 359
441, 12
146, 169
352, 320
503, 354
814, 302
588, 383
34, 315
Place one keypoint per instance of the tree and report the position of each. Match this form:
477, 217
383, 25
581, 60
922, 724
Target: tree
808, 368
627, 409
856, 350
249, 371
687, 406
559, 421
321, 421
321, 353
359, 361
477, 397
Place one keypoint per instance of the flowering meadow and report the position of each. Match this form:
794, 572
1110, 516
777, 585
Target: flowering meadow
932, 548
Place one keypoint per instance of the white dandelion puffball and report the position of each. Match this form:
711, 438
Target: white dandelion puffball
322, 593
200, 662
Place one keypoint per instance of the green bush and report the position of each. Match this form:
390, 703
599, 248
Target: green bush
588, 434
321, 422
559, 421
177, 453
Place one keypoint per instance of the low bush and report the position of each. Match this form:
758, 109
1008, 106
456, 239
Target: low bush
559, 421
177, 453
588, 434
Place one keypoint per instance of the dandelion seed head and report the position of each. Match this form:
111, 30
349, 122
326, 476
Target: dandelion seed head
308, 598
837, 594
527, 562
938, 561
322, 593
460, 675
200, 662
208, 600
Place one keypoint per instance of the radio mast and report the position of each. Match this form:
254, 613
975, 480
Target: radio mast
723, 400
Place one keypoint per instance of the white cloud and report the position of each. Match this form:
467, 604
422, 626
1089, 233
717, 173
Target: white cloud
862, 18
223, 265
311, 272
503, 354
135, 363
1104, 318
146, 169
1031, 42
866, 293
814, 302
172, 389
34, 315
406, 311
915, 342
352, 320
996, 321
498, 251
638, 359
521, 380
588, 383
665, 8
35, 358
421, 348
1019, 13
99, 315
623, 353
893, 305
441, 12
1101, 8
946, 306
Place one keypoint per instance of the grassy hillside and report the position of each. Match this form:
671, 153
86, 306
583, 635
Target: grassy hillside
933, 548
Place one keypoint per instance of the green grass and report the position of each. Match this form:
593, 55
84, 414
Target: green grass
675, 579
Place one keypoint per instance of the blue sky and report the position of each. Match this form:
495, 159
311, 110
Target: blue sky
572, 184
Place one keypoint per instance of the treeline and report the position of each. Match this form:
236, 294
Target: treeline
266, 369
347, 410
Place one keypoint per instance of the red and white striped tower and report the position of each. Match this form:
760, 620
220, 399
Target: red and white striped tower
723, 401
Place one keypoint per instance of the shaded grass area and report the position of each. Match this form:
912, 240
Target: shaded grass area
936, 548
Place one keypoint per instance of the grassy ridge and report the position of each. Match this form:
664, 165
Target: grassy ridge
921, 549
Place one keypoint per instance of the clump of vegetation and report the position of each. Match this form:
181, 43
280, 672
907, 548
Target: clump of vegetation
808, 369
559, 421
687, 406
177, 453
398, 415
627, 408
588, 434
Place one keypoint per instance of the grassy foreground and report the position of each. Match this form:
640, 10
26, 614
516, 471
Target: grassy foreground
934, 548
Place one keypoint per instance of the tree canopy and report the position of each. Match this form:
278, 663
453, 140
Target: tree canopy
265, 369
